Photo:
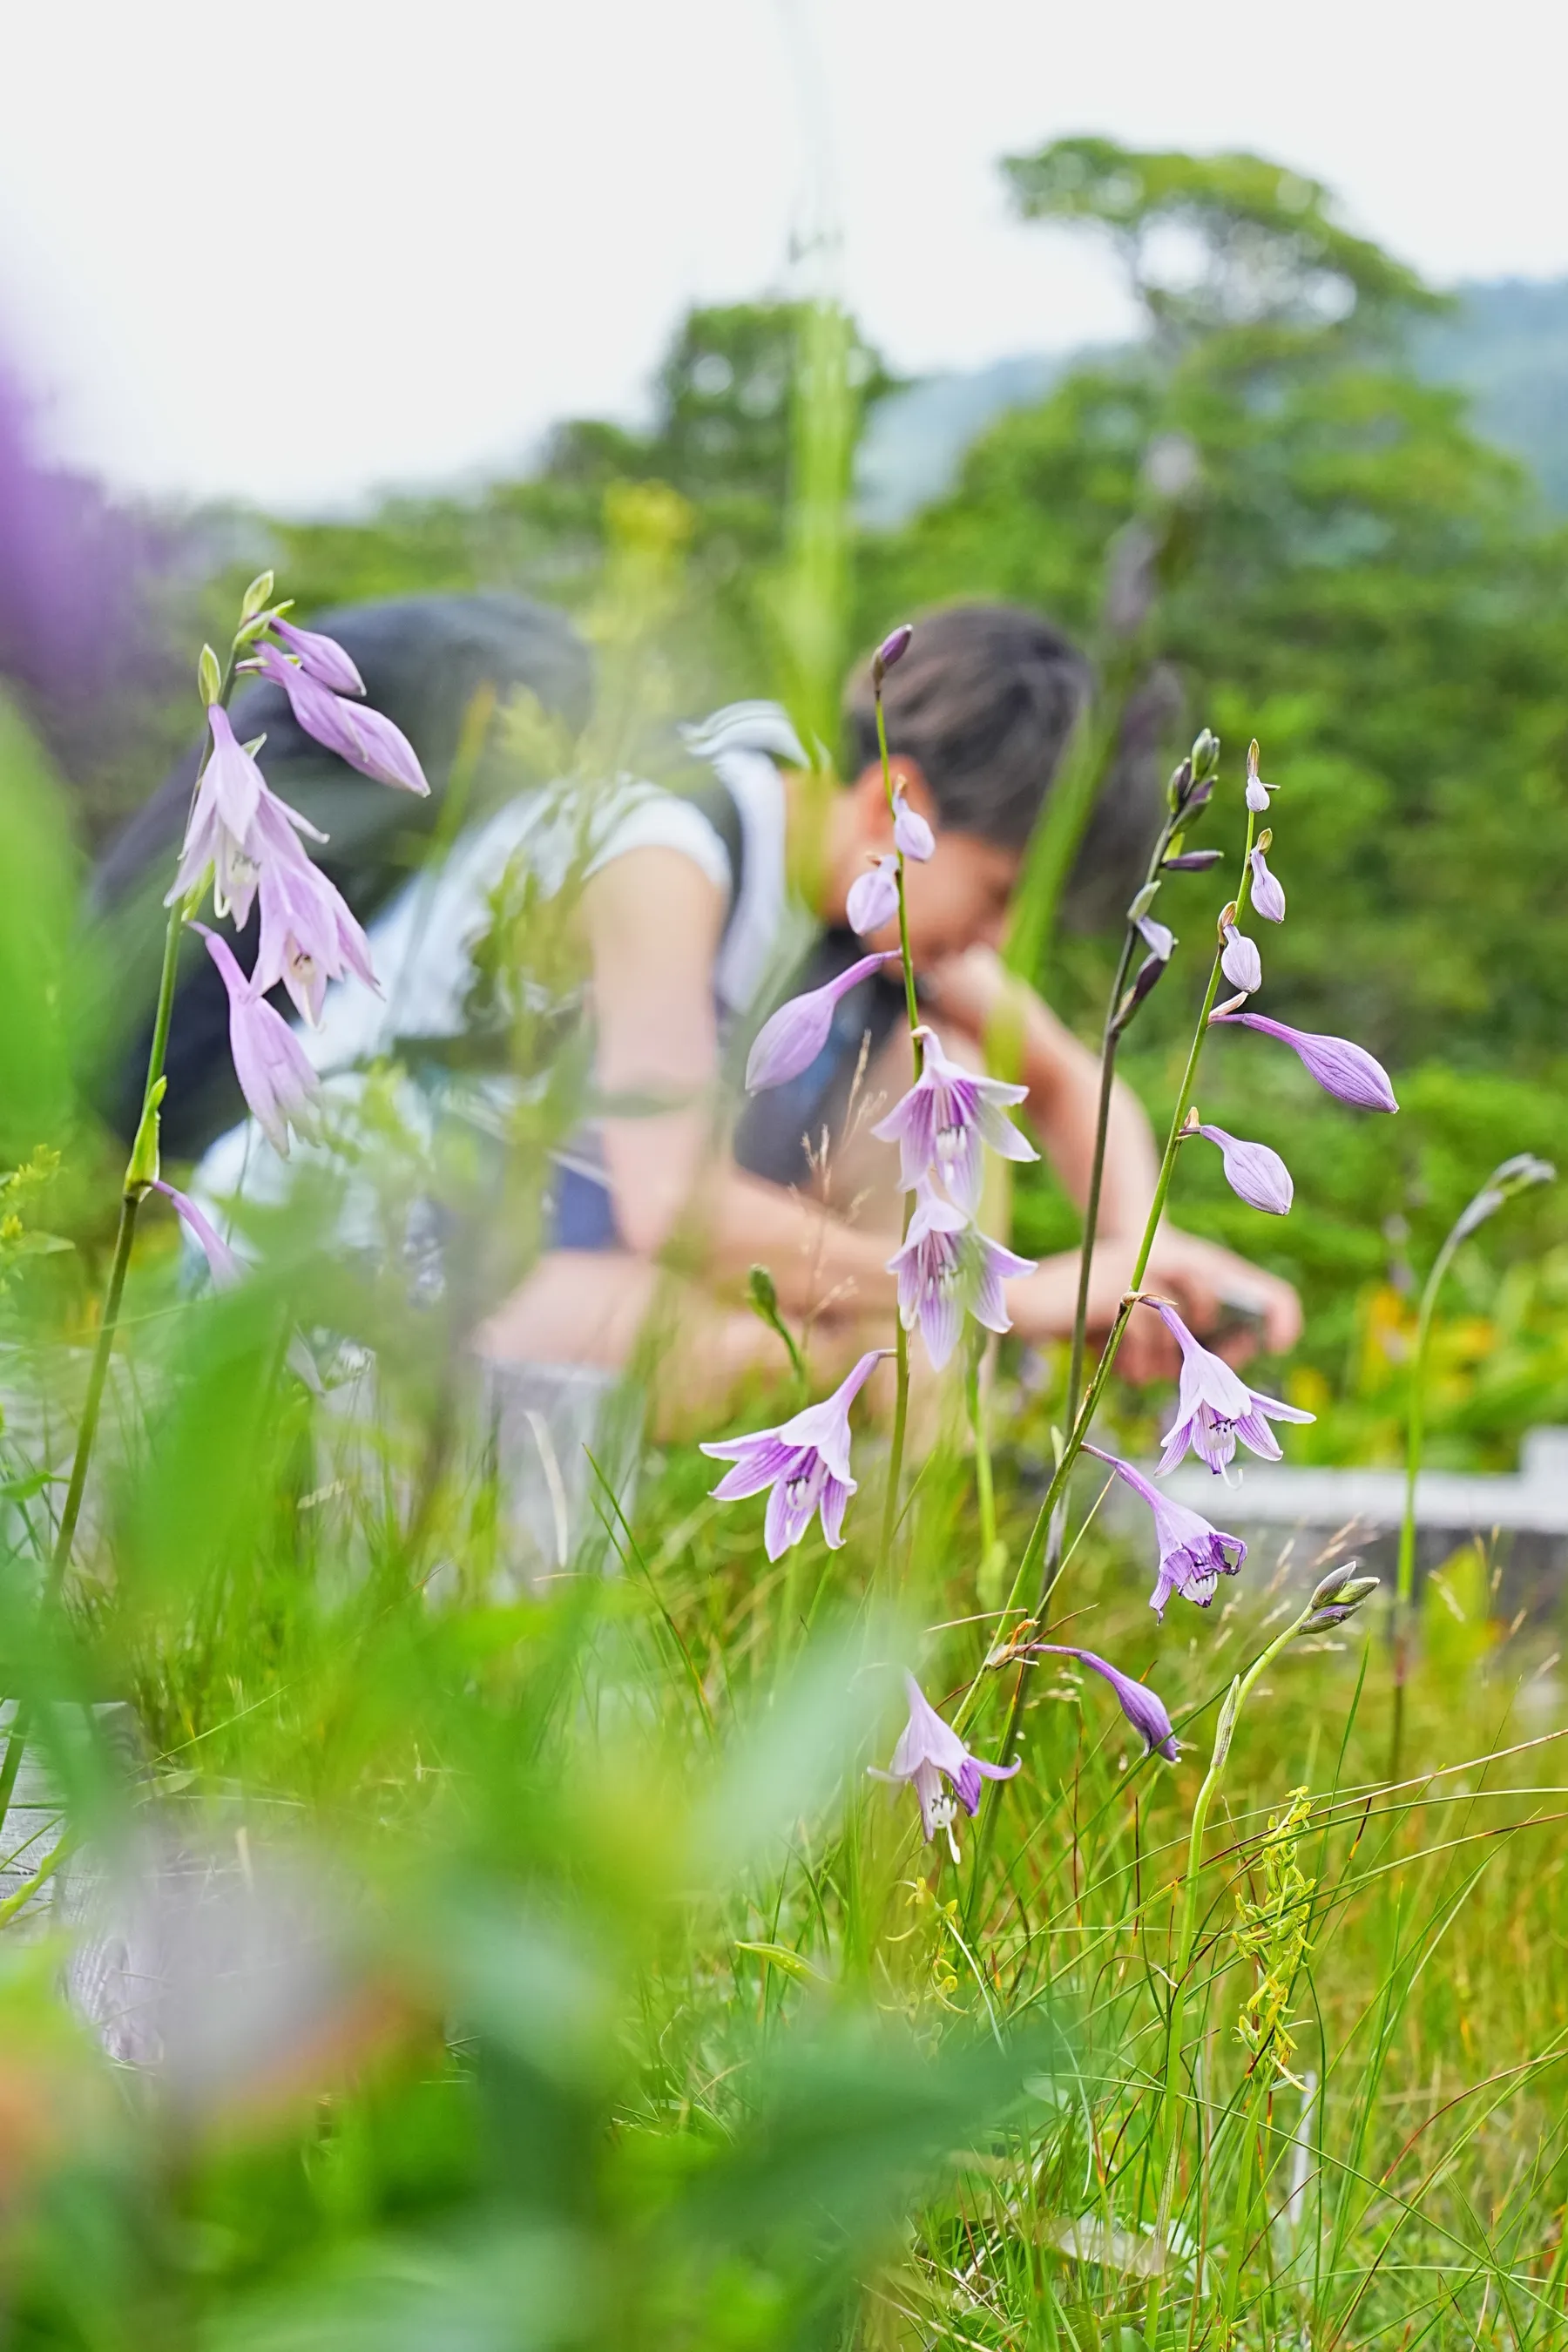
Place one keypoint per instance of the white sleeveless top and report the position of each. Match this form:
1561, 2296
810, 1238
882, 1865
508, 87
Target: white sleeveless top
422, 941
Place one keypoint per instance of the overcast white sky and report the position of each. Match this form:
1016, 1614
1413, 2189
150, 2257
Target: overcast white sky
293, 254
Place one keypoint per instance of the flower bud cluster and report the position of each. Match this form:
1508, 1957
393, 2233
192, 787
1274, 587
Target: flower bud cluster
1339, 1596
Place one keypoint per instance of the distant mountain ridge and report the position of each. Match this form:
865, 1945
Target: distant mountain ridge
1507, 345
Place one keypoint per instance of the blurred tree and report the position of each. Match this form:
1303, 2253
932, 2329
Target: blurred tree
1363, 585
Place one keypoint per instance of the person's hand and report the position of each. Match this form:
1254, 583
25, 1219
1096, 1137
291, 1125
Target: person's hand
1207, 1286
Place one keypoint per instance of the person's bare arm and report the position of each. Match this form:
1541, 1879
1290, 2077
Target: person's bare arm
653, 921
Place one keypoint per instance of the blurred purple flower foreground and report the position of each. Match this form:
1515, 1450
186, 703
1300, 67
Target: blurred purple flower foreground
790, 1040
930, 1750
805, 1461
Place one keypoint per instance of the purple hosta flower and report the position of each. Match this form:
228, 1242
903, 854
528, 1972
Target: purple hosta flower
1340, 1068
790, 1040
947, 1267
1158, 938
893, 648
873, 898
1241, 961
912, 837
222, 814
1193, 1554
1214, 1406
273, 1069
222, 1263
930, 1751
1257, 791
1255, 1173
805, 1462
320, 657
307, 934
1266, 895
363, 738
1144, 1708
1191, 861
941, 1123
237, 852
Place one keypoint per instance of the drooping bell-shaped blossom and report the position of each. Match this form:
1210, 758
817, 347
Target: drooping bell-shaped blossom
1144, 1708
947, 1267
1214, 1406
222, 1263
307, 934
1340, 1068
946, 1117
274, 1071
363, 738
1241, 961
1267, 896
1257, 791
237, 857
873, 898
222, 813
930, 1751
320, 657
805, 1461
912, 837
1255, 1173
790, 1040
1193, 1554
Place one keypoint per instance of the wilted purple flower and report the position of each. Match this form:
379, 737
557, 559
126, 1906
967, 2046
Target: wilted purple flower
320, 657
1144, 1708
1266, 895
790, 1040
1159, 938
941, 1123
307, 934
930, 1750
1340, 1066
1240, 963
893, 648
912, 834
1214, 1406
273, 1069
1193, 1554
1255, 1173
222, 1263
948, 1267
873, 898
1257, 791
806, 1461
363, 738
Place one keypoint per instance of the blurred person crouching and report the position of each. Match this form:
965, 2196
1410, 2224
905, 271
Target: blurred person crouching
696, 902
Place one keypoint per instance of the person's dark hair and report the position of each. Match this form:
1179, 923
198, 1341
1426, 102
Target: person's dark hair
984, 701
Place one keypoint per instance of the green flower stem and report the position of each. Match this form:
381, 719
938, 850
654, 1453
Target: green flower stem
901, 1338
1038, 1535
1415, 1439
132, 1190
1111, 1038
1164, 2127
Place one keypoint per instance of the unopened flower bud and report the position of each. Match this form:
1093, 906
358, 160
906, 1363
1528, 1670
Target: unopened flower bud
1333, 1584
1192, 861
1144, 901
1180, 785
1205, 755
209, 678
1339, 1596
893, 648
255, 595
